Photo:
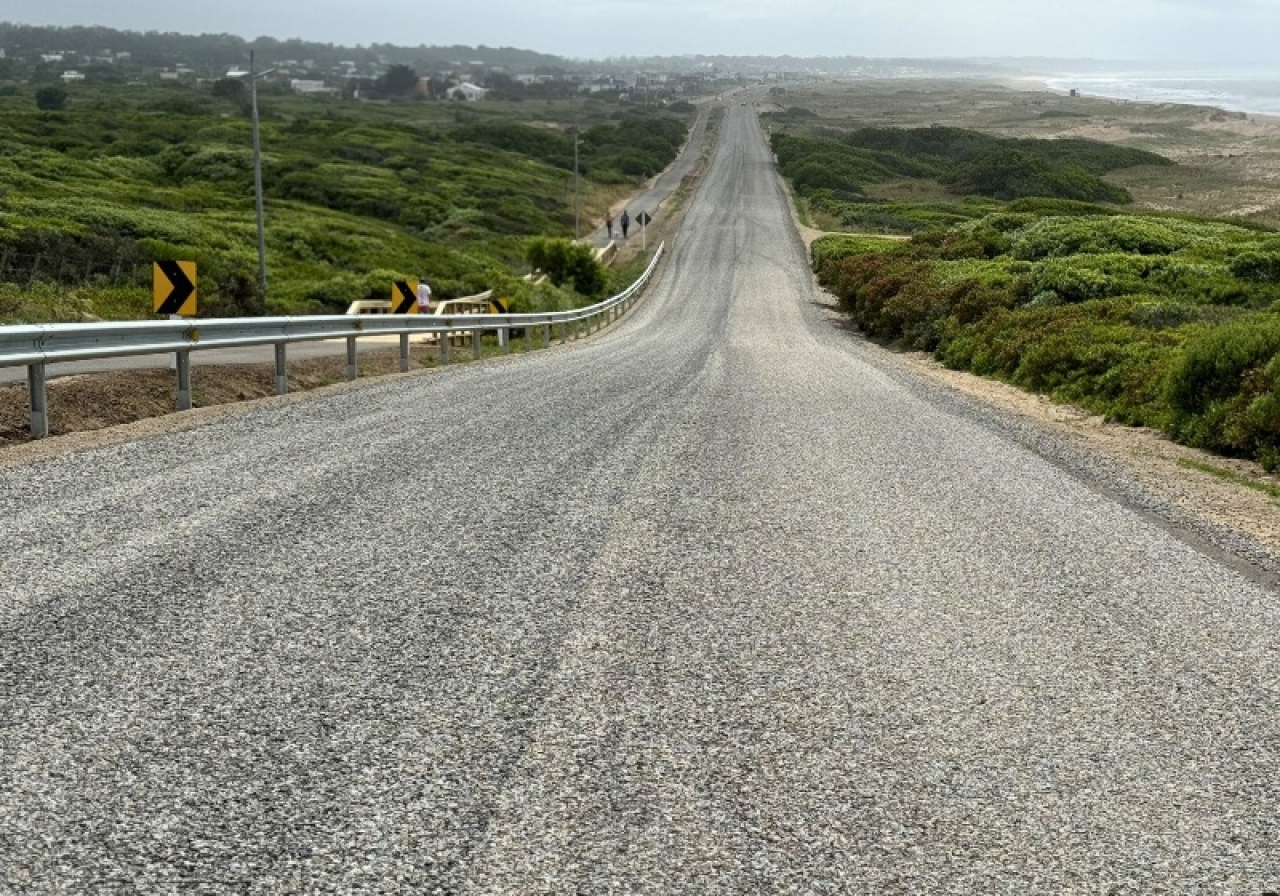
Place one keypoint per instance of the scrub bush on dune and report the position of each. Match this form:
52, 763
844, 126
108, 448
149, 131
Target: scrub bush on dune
1150, 321
1224, 389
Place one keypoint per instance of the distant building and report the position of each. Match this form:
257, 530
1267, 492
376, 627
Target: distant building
312, 88
468, 92
72, 75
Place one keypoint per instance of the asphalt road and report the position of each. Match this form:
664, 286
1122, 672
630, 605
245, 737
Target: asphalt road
714, 603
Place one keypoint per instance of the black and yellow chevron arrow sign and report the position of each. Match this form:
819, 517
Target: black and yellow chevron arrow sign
174, 285
404, 297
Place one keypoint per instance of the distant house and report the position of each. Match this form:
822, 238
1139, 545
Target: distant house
72, 75
312, 88
468, 92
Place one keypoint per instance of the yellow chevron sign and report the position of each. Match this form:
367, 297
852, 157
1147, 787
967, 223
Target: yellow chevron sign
174, 287
404, 297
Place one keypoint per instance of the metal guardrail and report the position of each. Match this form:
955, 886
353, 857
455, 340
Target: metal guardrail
38, 345
383, 306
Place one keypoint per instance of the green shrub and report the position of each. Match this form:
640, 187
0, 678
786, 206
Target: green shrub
1224, 388
1257, 266
1139, 323
52, 98
568, 264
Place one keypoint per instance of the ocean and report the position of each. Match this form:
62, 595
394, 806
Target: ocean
1236, 91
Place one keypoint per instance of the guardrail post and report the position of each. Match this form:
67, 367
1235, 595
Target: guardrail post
475, 343
444, 339
352, 372
282, 371
184, 380
546, 335
504, 339
38, 398
404, 352
528, 339
564, 332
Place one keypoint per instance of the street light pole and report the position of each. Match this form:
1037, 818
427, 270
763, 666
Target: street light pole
576, 204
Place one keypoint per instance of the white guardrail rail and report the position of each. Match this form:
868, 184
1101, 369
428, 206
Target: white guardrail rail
35, 346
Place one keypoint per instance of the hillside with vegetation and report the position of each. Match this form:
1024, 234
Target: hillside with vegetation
834, 174
111, 55
99, 181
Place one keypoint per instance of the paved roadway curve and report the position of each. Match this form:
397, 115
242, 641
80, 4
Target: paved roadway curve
715, 603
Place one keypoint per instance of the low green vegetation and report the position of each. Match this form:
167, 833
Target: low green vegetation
567, 263
1158, 321
838, 174
1267, 488
97, 187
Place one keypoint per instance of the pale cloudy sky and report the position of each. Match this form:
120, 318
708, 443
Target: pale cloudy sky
1165, 30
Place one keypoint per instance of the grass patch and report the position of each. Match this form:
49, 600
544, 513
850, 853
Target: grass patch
1267, 488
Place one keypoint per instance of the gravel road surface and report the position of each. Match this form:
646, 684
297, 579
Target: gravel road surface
714, 603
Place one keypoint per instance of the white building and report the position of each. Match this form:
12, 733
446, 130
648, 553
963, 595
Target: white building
312, 88
469, 92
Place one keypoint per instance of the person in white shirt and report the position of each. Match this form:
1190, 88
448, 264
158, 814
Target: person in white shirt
424, 297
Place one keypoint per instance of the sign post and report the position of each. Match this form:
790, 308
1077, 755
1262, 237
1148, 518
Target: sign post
644, 218
173, 288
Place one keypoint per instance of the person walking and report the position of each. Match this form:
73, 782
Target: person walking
424, 296
625, 221
608, 223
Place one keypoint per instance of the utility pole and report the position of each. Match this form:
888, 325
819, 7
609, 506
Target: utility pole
577, 213
257, 176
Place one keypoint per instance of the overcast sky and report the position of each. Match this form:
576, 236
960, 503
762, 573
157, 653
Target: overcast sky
1172, 30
